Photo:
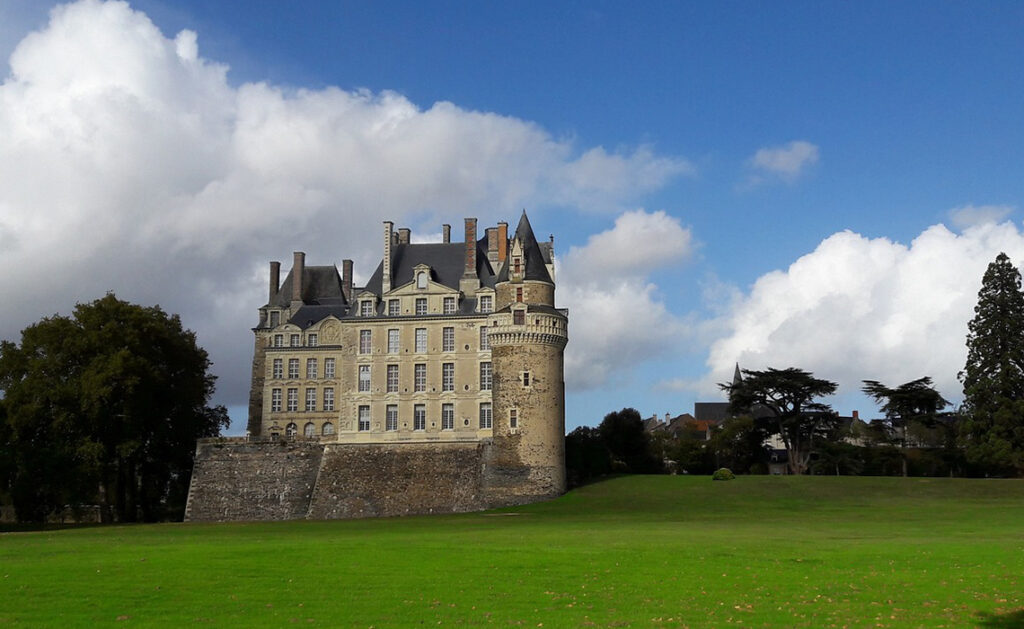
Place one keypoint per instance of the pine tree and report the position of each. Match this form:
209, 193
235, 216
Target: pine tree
993, 378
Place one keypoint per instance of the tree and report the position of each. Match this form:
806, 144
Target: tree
586, 456
916, 401
992, 431
785, 398
623, 434
106, 406
739, 444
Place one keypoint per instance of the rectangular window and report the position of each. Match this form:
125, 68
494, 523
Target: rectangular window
419, 377
293, 367
329, 399
278, 368
310, 399
391, 417
275, 319
421, 340
517, 264
526, 378
294, 340
364, 378
449, 305
448, 340
293, 399
519, 295
393, 345
279, 340
364, 418
421, 305
485, 376
419, 417
513, 418
328, 368
447, 416
486, 303
275, 401
392, 379
518, 317
448, 377
485, 343
394, 308
485, 414
312, 340
365, 340
365, 308
311, 368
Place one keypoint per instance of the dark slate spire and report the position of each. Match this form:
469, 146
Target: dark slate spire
737, 377
536, 269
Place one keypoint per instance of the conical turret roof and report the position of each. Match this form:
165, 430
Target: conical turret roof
536, 269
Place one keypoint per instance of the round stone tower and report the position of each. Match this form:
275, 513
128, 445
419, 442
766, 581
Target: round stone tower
527, 335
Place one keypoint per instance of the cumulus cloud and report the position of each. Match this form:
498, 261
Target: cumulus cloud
128, 162
618, 318
786, 162
970, 215
860, 308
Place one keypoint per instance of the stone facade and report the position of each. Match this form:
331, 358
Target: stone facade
445, 367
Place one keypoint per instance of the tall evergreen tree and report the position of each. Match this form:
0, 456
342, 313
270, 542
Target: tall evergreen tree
785, 399
992, 432
914, 401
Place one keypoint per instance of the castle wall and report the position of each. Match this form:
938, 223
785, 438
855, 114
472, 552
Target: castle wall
359, 481
237, 479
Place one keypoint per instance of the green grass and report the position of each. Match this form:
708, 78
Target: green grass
635, 551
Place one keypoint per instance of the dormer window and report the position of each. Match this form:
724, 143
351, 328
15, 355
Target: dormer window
517, 265
421, 280
486, 303
275, 318
449, 305
421, 305
366, 308
519, 317
394, 308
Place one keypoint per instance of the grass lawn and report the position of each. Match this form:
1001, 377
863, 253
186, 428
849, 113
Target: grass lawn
655, 551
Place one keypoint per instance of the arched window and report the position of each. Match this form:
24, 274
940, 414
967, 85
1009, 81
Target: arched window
328, 429
421, 280
309, 430
291, 430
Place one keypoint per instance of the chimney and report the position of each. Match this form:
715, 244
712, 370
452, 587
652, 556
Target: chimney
275, 280
470, 267
856, 414
447, 231
385, 280
502, 241
346, 279
492, 244
298, 270
667, 417
403, 236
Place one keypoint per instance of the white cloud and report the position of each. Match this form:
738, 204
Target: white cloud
617, 317
129, 163
971, 215
786, 162
858, 308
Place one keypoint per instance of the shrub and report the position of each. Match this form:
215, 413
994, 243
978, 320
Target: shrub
723, 473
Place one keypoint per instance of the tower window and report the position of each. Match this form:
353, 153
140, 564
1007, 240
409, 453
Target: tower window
517, 265
518, 317
526, 378
513, 418
519, 295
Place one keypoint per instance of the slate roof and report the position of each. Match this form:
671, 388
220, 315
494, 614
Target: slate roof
446, 262
321, 285
534, 257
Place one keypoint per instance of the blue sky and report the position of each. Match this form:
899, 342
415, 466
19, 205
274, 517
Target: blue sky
833, 176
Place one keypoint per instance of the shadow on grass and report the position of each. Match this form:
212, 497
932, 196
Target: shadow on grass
1009, 620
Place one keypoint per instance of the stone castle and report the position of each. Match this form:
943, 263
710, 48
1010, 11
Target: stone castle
436, 387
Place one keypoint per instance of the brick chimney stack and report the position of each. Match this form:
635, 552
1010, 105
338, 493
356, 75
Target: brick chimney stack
446, 230
298, 270
385, 280
492, 245
346, 279
275, 280
502, 241
403, 235
470, 282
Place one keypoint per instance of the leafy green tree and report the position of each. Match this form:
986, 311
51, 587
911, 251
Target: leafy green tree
586, 457
914, 402
624, 436
992, 431
106, 406
785, 398
739, 444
